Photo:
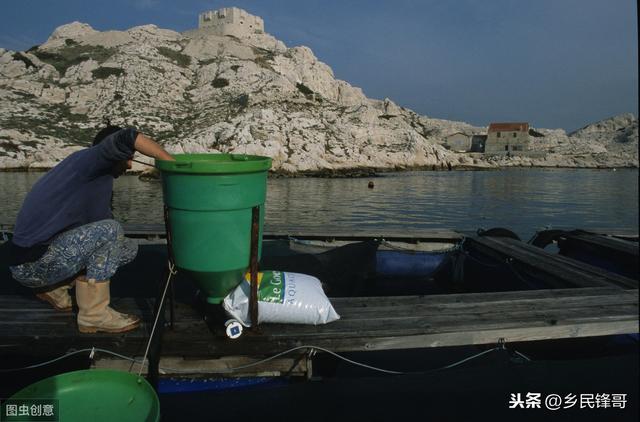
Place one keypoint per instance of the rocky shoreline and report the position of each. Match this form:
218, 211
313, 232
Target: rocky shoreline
357, 173
202, 93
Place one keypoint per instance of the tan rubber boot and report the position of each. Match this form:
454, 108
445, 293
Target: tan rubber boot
94, 312
59, 298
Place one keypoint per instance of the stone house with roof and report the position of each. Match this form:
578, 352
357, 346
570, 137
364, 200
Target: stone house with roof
504, 138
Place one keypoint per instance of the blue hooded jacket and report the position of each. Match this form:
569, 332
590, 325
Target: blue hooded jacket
75, 192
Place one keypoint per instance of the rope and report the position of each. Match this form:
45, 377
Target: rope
172, 272
525, 357
311, 348
466, 359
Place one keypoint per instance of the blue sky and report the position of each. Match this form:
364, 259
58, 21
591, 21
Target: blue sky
553, 63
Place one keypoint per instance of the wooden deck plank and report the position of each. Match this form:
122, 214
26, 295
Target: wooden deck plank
453, 308
411, 325
367, 324
29, 305
615, 244
571, 264
464, 298
570, 269
449, 309
620, 232
549, 266
612, 253
177, 345
434, 235
442, 336
24, 307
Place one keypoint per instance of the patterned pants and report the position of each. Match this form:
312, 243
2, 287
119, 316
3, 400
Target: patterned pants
99, 247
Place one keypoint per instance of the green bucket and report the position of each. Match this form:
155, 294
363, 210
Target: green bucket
89, 395
210, 198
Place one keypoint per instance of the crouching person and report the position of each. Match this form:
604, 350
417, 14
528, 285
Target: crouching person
65, 234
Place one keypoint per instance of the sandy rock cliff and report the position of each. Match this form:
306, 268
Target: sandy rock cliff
197, 92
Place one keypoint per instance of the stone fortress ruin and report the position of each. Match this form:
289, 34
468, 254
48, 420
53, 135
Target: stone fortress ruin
230, 21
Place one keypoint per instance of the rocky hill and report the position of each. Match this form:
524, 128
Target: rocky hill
197, 92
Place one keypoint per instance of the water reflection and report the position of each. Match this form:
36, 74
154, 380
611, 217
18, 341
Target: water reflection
521, 199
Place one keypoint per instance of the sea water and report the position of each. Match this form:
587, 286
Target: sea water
522, 199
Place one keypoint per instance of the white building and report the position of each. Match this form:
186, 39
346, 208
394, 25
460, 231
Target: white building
230, 21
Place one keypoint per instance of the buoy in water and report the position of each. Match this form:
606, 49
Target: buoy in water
370, 184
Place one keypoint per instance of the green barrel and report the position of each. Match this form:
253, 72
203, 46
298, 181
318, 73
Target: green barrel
210, 198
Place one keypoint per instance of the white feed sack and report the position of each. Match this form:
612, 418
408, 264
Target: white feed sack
288, 298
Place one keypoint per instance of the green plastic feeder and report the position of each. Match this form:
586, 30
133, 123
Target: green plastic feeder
89, 395
210, 198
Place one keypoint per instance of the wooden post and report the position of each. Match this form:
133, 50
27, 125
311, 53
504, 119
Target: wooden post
253, 266
167, 228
